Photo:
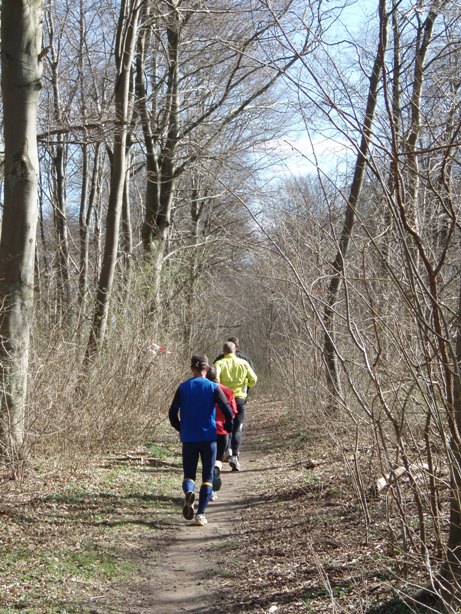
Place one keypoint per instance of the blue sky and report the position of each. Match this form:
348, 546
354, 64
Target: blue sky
300, 152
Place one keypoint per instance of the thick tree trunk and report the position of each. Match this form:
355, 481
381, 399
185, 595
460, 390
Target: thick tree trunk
21, 30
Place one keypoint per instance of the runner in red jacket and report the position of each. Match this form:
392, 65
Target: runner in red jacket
223, 436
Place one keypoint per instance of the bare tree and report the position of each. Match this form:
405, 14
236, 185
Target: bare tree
126, 41
21, 29
58, 154
351, 205
191, 97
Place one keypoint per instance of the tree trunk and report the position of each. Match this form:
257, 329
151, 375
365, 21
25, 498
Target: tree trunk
161, 178
21, 32
128, 23
60, 224
451, 572
87, 209
196, 209
412, 174
127, 232
58, 156
330, 350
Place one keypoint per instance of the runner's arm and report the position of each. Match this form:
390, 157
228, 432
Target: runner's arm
223, 404
251, 377
173, 414
247, 358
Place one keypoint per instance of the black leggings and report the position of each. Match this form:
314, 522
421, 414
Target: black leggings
237, 427
222, 444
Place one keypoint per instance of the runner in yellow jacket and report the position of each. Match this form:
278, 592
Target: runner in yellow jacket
236, 374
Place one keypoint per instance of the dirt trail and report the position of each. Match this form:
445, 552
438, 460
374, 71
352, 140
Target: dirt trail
285, 536
185, 572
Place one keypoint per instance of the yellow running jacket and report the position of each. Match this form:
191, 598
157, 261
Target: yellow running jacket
236, 374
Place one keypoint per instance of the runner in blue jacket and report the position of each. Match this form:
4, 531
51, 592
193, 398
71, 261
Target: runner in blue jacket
192, 413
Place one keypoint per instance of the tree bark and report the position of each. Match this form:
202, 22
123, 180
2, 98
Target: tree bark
451, 570
21, 31
160, 169
330, 350
87, 209
127, 232
58, 156
196, 209
128, 23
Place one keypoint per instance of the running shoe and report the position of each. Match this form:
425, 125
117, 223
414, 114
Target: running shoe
227, 455
217, 481
214, 495
234, 463
188, 509
200, 520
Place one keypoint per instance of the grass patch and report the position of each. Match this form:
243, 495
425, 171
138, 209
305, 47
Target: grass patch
64, 537
158, 451
304, 436
90, 562
230, 544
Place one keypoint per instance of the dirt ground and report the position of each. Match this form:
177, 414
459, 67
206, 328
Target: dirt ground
190, 572
283, 536
287, 534
197, 564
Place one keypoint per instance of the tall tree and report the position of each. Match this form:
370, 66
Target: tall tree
351, 205
190, 95
126, 40
58, 155
21, 31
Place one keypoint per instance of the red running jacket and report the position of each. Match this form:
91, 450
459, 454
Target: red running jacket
220, 420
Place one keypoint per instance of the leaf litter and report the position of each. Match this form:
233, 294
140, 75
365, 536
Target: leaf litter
94, 539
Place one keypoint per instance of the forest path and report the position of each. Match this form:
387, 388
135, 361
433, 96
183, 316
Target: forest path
186, 573
190, 569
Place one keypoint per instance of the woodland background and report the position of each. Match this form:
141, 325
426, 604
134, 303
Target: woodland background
168, 212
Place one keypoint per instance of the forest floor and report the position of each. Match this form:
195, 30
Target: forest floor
286, 534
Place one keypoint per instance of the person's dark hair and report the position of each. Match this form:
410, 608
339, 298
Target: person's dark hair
211, 374
228, 347
199, 362
234, 340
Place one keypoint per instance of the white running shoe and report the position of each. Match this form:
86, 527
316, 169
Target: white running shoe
234, 463
200, 520
214, 495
